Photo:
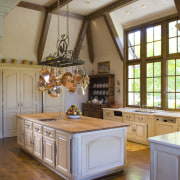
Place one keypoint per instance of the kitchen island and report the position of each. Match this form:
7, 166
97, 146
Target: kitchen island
165, 157
76, 149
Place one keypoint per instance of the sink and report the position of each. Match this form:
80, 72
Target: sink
50, 119
147, 112
136, 111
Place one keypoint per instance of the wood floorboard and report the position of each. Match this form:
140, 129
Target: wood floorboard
15, 164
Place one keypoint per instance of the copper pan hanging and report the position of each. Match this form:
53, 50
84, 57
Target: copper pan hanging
67, 80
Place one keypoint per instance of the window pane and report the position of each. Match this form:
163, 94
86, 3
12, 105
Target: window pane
131, 85
171, 84
137, 37
130, 71
171, 100
131, 39
178, 44
172, 45
137, 98
157, 48
137, 71
157, 99
149, 84
130, 53
137, 52
149, 34
157, 84
149, 49
178, 83
149, 99
171, 67
178, 101
172, 29
157, 69
177, 66
137, 85
150, 70
157, 33
130, 98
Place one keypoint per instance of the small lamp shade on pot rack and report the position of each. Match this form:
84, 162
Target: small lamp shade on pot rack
62, 57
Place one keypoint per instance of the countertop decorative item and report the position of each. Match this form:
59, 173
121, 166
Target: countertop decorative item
24, 62
4, 60
73, 112
14, 61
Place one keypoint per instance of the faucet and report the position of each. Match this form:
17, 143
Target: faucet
145, 107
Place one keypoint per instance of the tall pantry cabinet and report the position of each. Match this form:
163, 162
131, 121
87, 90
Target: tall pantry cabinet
18, 93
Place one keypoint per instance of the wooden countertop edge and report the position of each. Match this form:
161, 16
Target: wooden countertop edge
52, 124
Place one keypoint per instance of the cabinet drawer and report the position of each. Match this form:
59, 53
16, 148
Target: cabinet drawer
49, 132
140, 118
178, 122
128, 117
37, 128
28, 124
108, 113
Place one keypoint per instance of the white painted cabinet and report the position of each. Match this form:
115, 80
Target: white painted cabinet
110, 115
63, 147
28, 140
20, 132
138, 129
20, 96
37, 145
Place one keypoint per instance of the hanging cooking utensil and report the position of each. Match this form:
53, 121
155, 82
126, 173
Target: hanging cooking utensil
45, 74
67, 80
73, 88
77, 76
51, 82
54, 91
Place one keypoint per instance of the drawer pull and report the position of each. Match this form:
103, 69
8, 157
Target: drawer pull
48, 133
37, 129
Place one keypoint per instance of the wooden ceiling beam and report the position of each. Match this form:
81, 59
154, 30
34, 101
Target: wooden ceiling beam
31, 6
90, 43
80, 39
177, 3
114, 36
37, 7
55, 7
109, 8
43, 37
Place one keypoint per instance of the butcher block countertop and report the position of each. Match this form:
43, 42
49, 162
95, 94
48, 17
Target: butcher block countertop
84, 124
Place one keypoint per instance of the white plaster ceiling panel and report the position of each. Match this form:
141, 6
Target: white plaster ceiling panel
141, 10
41, 2
85, 7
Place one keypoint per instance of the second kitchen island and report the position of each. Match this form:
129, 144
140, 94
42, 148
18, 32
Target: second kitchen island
76, 149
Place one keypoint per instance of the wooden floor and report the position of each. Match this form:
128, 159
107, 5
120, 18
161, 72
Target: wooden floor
17, 165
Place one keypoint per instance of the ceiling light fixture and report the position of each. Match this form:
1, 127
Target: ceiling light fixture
87, 2
127, 12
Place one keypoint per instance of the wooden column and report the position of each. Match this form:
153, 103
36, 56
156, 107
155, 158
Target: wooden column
90, 43
177, 3
114, 36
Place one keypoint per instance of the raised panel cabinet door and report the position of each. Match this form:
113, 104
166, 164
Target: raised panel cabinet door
49, 151
28, 140
130, 129
63, 153
11, 97
165, 128
28, 92
37, 142
141, 131
20, 132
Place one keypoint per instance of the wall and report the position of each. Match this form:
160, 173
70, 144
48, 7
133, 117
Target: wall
105, 50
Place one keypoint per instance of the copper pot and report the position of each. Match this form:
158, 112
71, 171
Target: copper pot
73, 88
45, 74
67, 80
41, 85
58, 80
54, 91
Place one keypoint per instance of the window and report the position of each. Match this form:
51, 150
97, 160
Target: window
134, 85
173, 83
173, 37
153, 81
153, 41
134, 45
153, 65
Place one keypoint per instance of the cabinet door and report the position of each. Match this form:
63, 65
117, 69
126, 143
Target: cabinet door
63, 153
49, 151
20, 132
37, 142
165, 128
130, 129
28, 92
141, 131
28, 140
11, 96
